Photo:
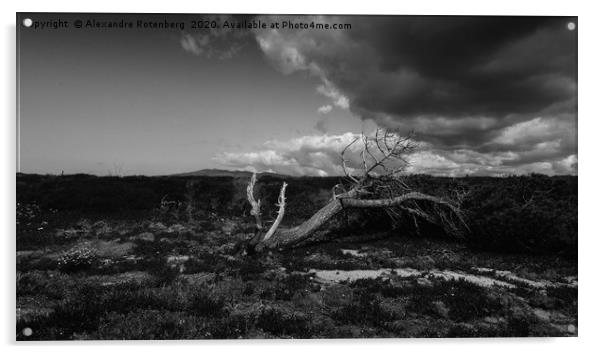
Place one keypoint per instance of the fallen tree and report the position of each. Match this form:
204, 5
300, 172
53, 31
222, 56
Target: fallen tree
376, 181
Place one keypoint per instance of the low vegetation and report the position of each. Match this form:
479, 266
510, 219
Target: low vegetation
158, 258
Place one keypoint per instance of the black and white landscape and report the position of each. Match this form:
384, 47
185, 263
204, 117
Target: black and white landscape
270, 176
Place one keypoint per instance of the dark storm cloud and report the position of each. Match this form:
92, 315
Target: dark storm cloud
483, 93
463, 66
425, 66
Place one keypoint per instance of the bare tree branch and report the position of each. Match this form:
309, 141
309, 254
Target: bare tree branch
381, 203
255, 204
344, 162
281, 205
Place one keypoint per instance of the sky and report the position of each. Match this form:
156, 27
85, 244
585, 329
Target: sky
481, 95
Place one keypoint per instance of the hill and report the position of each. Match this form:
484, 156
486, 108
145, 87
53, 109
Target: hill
212, 172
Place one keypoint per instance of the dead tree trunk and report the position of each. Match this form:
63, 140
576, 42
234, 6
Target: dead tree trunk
373, 189
291, 237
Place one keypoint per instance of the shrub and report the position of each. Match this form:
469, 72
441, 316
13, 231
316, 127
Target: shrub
149, 325
286, 287
366, 311
83, 305
77, 259
229, 327
379, 285
278, 322
246, 267
533, 214
204, 303
28, 215
465, 300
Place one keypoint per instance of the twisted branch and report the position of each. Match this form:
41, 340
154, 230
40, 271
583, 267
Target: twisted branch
255, 204
281, 204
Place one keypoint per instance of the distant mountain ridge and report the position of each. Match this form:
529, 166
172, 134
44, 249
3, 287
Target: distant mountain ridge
213, 172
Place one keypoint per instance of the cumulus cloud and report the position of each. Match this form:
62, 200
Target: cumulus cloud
220, 43
319, 155
525, 131
325, 109
206, 45
338, 99
314, 155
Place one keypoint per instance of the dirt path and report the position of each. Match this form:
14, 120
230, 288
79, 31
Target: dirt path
497, 277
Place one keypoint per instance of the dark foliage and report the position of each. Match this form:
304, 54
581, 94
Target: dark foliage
288, 286
367, 310
534, 214
278, 322
463, 300
204, 304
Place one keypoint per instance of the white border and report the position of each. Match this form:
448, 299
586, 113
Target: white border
589, 172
